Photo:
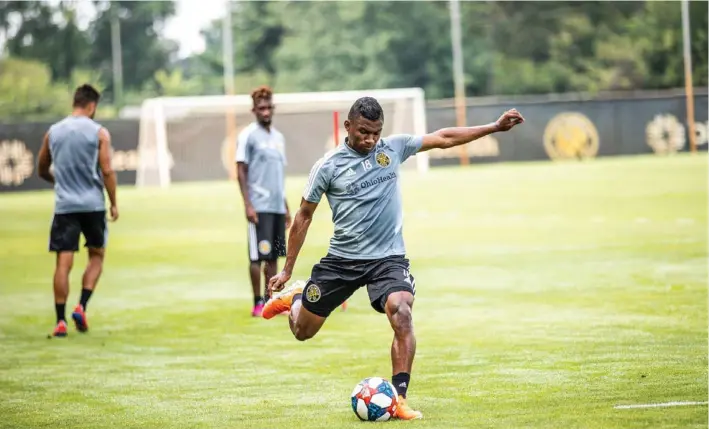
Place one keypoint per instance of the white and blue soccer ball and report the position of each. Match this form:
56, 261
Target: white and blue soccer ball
374, 399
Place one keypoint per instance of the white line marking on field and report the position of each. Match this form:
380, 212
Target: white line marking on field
662, 405
642, 220
598, 219
685, 221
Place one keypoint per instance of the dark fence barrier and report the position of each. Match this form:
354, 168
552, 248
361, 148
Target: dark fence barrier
559, 127
569, 128
20, 143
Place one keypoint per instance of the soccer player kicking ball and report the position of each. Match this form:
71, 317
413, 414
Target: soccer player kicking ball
80, 150
361, 182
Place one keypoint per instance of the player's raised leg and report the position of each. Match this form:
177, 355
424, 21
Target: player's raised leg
306, 318
303, 323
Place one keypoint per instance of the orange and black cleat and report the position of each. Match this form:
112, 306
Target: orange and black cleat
280, 302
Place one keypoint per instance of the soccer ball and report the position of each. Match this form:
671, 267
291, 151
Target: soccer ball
374, 399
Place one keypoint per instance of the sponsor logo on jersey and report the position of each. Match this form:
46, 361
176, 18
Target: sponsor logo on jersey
374, 182
353, 188
350, 172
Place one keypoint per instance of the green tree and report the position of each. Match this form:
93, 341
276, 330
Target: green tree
27, 91
144, 50
59, 43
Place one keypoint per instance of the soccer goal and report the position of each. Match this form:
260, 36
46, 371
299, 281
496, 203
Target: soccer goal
194, 138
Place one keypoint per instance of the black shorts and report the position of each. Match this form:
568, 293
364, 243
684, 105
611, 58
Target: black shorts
335, 279
267, 240
67, 227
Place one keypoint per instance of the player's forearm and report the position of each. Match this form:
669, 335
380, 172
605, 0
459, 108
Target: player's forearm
456, 136
296, 238
109, 182
243, 185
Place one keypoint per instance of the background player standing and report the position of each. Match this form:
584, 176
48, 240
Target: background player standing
360, 179
80, 150
260, 164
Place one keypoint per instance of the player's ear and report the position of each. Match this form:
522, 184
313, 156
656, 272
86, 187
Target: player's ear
347, 125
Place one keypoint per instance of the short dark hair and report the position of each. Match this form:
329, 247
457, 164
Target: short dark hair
368, 107
86, 94
261, 93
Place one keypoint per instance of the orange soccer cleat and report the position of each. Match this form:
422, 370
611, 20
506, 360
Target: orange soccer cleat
404, 412
280, 302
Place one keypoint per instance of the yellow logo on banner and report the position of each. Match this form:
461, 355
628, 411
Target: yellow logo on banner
16, 162
570, 135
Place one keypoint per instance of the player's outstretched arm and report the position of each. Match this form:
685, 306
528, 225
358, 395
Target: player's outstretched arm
296, 238
44, 161
455, 136
109, 175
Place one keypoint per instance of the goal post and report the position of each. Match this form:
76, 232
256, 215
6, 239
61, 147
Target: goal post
189, 138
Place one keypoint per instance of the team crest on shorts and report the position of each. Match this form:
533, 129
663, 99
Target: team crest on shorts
264, 246
383, 159
312, 293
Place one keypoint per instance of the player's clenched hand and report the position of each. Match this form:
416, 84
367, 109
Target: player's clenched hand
114, 213
278, 281
509, 119
251, 214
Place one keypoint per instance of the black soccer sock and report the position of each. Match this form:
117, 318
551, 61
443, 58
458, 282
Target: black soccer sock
60, 309
85, 295
258, 300
401, 382
296, 297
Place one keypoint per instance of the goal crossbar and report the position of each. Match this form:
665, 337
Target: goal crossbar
161, 109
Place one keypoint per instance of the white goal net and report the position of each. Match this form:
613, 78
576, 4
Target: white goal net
194, 138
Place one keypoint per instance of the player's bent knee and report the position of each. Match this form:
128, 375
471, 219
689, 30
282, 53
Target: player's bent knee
303, 333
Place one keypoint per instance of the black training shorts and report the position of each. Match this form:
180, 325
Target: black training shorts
267, 240
335, 279
67, 228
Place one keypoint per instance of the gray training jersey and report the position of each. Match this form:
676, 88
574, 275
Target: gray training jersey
265, 154
78, 182
364, 196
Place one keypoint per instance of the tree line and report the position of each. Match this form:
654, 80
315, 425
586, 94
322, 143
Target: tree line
509, 48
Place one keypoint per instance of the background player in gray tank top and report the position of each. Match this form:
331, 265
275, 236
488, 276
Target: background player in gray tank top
80, 151
260, 166
361, 182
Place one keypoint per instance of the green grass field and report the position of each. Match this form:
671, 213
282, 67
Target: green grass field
547, 294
